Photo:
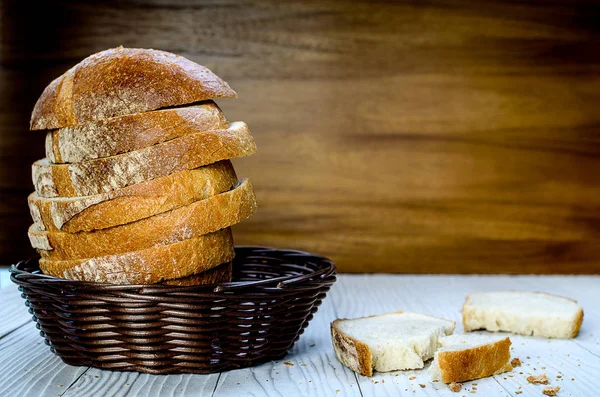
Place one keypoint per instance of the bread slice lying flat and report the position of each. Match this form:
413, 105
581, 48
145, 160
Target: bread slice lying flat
218, 274
388, 342
524, 313
466, 357
193, 220
109, 173
150, 265
122, 81
109, 137
131, 203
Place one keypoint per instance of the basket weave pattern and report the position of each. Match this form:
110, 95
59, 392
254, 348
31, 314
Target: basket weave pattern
164, 329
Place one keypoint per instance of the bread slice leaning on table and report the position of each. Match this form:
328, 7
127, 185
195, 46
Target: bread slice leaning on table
524, 313
109, 137
466, 357
388, 342
150, 265
193, 220
123, 81
110, 173
131, 203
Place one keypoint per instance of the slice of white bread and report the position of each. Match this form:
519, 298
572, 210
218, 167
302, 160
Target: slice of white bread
466, 357
131, 203
122, 81
109, 137
109, 173
524, 313
388, 342
150, 265
193, 220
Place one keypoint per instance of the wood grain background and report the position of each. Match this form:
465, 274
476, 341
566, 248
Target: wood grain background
429, 136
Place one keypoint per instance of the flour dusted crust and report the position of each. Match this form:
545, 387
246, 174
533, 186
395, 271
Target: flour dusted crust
150, 265
201, 217
476, 362
109, 137
131, 203
110, 173
219, 274
123, 81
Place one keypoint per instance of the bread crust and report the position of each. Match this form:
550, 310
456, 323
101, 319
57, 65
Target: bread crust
474, 363
110, 173
199, 218
216, 275
150, 265
131, 203
122, 81
110, 137
351, 352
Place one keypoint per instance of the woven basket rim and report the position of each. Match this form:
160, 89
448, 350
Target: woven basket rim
281, 282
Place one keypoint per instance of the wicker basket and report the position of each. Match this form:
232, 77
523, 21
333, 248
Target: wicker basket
163, 329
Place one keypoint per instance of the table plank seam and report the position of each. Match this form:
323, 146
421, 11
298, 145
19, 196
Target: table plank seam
502, 386
15, 329
75, 381
216, 385
584, 348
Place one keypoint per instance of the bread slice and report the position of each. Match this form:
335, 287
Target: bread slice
216, 275
109, 137
122, 81
201, 217
150, 265
387, 342
521, 312
131, 203
110, 173
466, 357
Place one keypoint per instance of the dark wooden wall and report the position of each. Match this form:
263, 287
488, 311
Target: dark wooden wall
407, 136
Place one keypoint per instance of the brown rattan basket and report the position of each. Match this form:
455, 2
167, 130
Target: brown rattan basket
164, 329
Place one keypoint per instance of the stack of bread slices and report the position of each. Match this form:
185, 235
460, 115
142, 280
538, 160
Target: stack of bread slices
137, 186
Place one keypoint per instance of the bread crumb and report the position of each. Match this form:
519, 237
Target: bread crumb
289, 364
412, 377
550, 391
558, 376
516, 362
422, 386
455, 387
518, 392
538, 380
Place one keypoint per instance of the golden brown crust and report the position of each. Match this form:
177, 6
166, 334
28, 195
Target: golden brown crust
577, 324
474, 363
201, 217
150, 265
110, 173
219, 274
110, 137
351, 352
131, 203
122, 81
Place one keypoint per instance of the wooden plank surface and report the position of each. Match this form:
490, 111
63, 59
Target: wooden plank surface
439, 136
27, 368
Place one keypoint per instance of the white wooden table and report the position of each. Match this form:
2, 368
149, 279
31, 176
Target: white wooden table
27, 368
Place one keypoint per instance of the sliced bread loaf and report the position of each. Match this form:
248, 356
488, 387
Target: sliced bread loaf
109, 137
193, 220
522, 312
388, 342
122, 81
150, 265
219, 274
466, 357
131, 203
109, 173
